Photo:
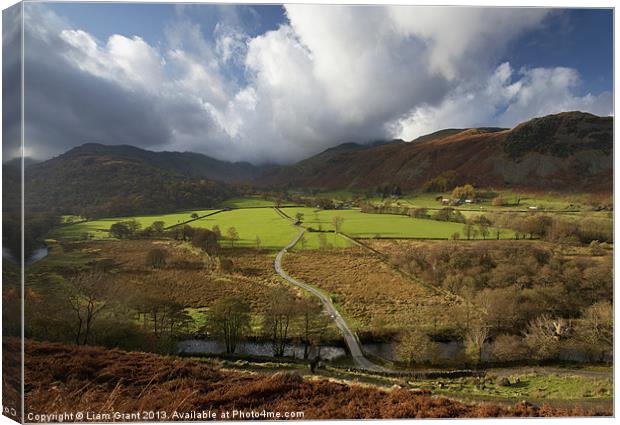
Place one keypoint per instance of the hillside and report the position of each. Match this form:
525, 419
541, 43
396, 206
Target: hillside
97, 180
567, 151
70, 378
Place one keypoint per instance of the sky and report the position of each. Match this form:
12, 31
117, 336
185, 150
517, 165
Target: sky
276, 84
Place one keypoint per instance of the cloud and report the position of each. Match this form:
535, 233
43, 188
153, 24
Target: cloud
326, 75
506, 98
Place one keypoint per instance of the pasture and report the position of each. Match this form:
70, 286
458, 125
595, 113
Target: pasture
363, 225
273, 230
98, 229
248, 202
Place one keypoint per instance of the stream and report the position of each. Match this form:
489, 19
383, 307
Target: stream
198, 346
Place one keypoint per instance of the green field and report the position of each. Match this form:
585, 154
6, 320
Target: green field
547, 202
98, 229
248, 202
274, 231
362, 225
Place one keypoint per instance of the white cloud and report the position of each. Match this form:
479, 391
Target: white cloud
505, 99
128, 61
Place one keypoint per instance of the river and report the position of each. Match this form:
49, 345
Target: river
200, 346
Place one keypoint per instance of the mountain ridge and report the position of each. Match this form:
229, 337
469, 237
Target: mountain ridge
566, 151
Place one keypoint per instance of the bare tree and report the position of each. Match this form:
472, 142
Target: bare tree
543, 337
87, 298
313, 324
278, 320
229, 321
475, 336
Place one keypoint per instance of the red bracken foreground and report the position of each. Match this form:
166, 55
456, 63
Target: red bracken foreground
62, 378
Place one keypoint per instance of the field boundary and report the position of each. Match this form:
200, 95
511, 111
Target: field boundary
194, 219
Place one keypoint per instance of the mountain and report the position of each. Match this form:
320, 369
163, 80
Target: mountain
566, 151
98, 180
188, 164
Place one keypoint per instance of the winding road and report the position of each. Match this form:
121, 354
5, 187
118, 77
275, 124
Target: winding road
349, 337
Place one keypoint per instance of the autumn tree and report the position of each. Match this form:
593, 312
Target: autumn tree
594, 333
217, 231
232, 235
313, 324
124, 229
278, 320
229, 321
87, 297
543, 337
206, 240
156, 258
463, 192
416, 347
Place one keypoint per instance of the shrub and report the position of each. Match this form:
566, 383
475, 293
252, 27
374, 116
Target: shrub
156, 258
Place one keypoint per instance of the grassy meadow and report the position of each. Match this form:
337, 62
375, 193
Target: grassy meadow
363, 225
273, 230
98, 229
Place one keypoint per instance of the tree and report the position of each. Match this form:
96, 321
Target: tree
87, 298
229, 321
232, 235
257, 241
156, 258
594, 332
476, 334
194, 216
464, 192
278, 319
337, 222
417, 347
217, 231
299, 217
483, 226
313, 324
507, 348
456, 236
158, 227
206, 240
124, 229
543, 336
468, 229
